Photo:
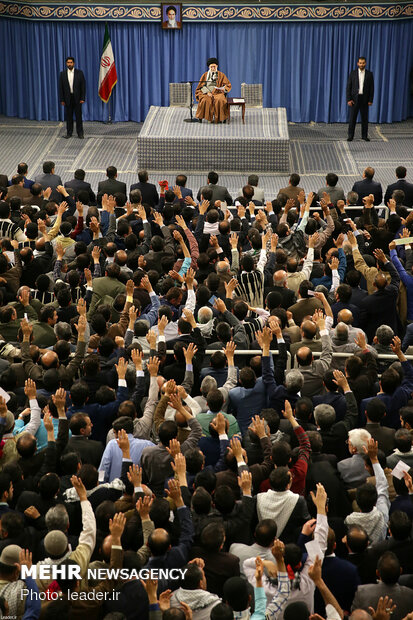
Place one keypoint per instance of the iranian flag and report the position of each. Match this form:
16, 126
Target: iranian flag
107, 74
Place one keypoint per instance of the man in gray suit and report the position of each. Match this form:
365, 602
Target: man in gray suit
258, 191
50, 179
331, 188
265, 534
312, 370
388, 572
219, 192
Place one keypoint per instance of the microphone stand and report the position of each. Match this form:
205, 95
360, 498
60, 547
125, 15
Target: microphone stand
191, 118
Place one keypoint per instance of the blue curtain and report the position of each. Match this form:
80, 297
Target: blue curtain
302, 66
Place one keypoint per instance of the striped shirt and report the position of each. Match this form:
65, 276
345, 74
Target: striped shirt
9, 230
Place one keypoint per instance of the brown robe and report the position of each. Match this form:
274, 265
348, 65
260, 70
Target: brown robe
215, 106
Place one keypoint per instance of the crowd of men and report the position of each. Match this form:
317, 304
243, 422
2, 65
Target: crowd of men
218, 384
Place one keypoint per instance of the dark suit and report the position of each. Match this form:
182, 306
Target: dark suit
72, 100
380, 307
365, 187
287, 295
149, 194
90, 451
342, 578
50, 180
406, 187
110, 187
361, 102
383, 435
81, 186
403, 549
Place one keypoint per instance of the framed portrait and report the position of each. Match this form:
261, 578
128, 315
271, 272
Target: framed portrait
171, 15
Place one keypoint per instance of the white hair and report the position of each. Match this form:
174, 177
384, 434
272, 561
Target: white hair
208, 383
205, 314
359, 438
294, 380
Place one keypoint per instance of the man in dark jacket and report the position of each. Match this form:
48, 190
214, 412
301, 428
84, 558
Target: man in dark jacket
72, 94
359, 95
367, 186
380, 307
148, 190
402, 184
78, 184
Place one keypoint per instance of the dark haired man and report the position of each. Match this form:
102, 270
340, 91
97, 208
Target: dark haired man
72, 94
402, 184
78, 184
359, 95
149, 195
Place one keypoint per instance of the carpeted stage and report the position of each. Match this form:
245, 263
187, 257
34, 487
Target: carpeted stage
262, 143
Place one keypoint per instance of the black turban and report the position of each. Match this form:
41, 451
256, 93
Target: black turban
212, 61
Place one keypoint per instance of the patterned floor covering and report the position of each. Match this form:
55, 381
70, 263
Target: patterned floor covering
315, 149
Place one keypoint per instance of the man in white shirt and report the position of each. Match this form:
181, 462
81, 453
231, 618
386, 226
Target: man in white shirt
72, 94
359, 95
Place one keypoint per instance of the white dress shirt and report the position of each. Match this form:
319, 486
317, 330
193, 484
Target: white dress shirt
71, 77
362, 75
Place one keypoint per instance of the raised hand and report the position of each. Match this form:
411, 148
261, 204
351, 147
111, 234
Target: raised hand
151, 339
59, 400
379, 256
230, 287
190, 352
361, 341
117, 525
143, 507
220, 305
189, 278
385, 609
123, 441
79, 488
174, 448
121, 368
137, 357
341, 380
135, 475
30, 389
245, 482
234, 238
320, 499
162, 323
153, 366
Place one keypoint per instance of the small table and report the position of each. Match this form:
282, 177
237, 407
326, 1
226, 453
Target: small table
236, 101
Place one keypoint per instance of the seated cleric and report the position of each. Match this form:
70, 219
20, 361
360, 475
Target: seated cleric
210, 94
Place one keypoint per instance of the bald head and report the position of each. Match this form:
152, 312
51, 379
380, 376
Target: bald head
159, 542
106, 548
304, 356
345, 316
50, 359
380, 281
342, 332
222, 267
308, 329
121, 257
40, 244
280, 278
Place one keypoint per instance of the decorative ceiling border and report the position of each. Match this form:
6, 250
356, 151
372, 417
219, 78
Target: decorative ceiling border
211, 13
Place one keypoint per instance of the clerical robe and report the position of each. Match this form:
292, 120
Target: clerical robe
212, 106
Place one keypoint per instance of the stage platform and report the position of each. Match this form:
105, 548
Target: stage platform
166, 142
